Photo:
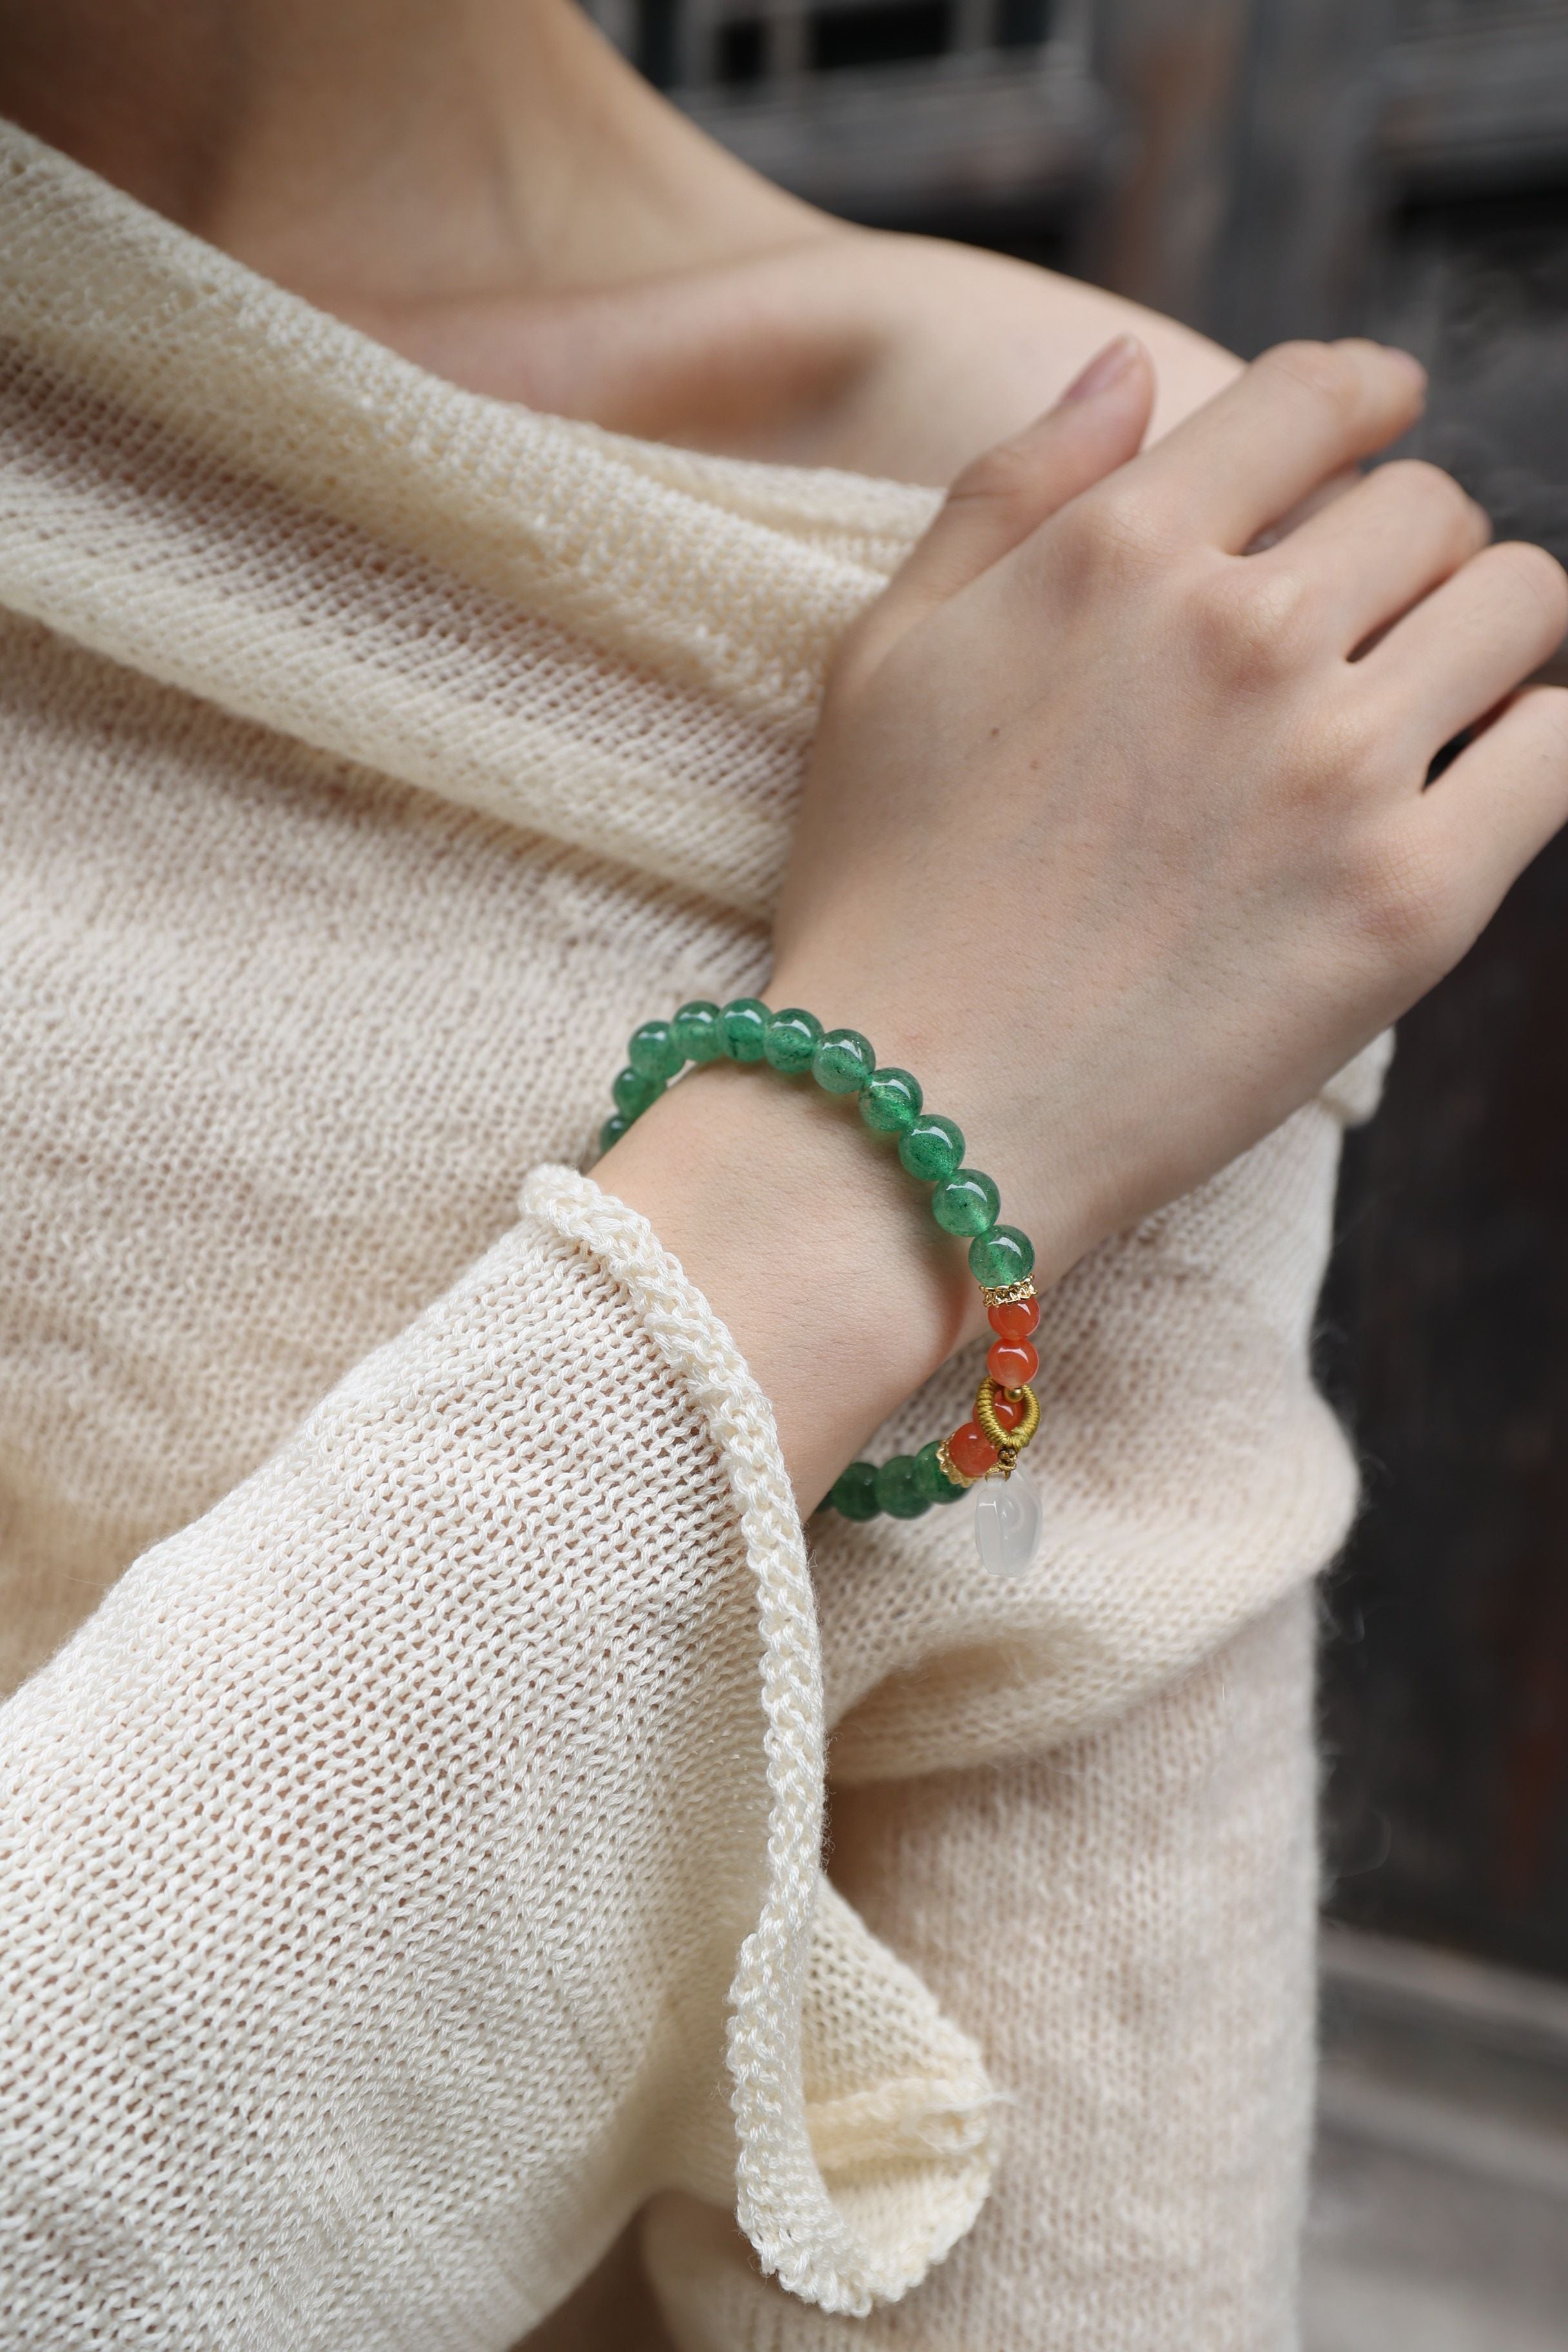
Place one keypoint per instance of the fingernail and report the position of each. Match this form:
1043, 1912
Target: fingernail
1106, 368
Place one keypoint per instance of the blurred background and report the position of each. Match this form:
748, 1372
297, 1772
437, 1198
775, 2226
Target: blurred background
1262, 168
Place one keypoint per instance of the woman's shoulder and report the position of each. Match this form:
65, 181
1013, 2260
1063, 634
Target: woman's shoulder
886, 354
965, 347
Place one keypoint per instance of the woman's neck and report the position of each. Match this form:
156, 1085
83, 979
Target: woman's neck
389, 154
486, 187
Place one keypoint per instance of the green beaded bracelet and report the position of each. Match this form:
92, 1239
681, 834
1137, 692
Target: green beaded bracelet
964, 1201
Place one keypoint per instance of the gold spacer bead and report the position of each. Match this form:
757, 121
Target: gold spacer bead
949, 1468
1009, 1293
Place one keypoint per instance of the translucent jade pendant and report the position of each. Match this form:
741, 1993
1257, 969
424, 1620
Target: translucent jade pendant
1007, 1519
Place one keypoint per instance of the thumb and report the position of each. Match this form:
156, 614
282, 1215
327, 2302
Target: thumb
1008, 491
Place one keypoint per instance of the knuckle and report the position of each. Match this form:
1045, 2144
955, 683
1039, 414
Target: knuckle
1538, 727
1539, 578
1419, 476
1329, 374
1111, 528
1548, 709
1418, 481
1350, 749
1255, 621
1403, 898
998, 473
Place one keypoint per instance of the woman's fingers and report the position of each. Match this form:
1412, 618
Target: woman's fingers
1498, 804
1007, 492
1300, 414
1374, 553
1467, 644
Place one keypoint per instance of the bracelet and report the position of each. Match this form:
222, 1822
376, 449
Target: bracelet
964, 1201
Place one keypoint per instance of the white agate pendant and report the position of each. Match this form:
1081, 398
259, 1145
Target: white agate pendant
1008, 1520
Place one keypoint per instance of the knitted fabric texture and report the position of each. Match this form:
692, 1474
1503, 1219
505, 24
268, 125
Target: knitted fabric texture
413, 1802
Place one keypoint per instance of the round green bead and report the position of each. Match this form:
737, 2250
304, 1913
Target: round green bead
854, 1494
966, 1203
613, 1130
653, 1050
891, 1102
793, 1037
898, 1493
934, 1148
634, 1092
745, 1021
931, 1480
698, 1031
843, 1062
1000, 1256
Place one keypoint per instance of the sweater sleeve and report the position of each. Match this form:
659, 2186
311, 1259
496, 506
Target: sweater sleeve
413, 1867
1128, 1923
1079, 1801
385, 1861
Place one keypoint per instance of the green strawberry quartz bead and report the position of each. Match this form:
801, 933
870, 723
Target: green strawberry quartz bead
854, 1494
964, 1201
745, 1024
933, 1147
898, 1492
931, 1480
1000, 1256
843, 1062
700, 1031
792, 1039
634, 1092
891, 1102
968, 1202
904, 1487
653, 1052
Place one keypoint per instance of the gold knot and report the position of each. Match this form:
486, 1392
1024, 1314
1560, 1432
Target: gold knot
1009, 1443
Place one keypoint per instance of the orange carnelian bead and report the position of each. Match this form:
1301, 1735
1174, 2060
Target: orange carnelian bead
1013, 1318
1011, 1362
1008, 1412
972, 1451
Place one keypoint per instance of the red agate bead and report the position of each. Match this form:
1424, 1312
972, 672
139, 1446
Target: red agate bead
1011, 1362
971, 1451
1009, 1411
1013, 1318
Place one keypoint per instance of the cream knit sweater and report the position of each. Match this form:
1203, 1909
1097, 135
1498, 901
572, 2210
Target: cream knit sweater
411, 1859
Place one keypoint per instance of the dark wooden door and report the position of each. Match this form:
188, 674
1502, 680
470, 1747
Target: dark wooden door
1264, 168
1445, 1326
1404, 172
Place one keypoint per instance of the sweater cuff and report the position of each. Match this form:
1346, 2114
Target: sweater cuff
849, 2195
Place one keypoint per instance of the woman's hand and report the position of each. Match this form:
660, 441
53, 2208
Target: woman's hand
1116, 833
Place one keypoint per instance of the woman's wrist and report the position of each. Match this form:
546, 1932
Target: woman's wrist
804, 1225
807, 1237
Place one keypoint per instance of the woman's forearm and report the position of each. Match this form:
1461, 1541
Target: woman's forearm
809, 1242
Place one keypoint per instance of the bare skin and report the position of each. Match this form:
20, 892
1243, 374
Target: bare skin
1090, 761
484, 186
